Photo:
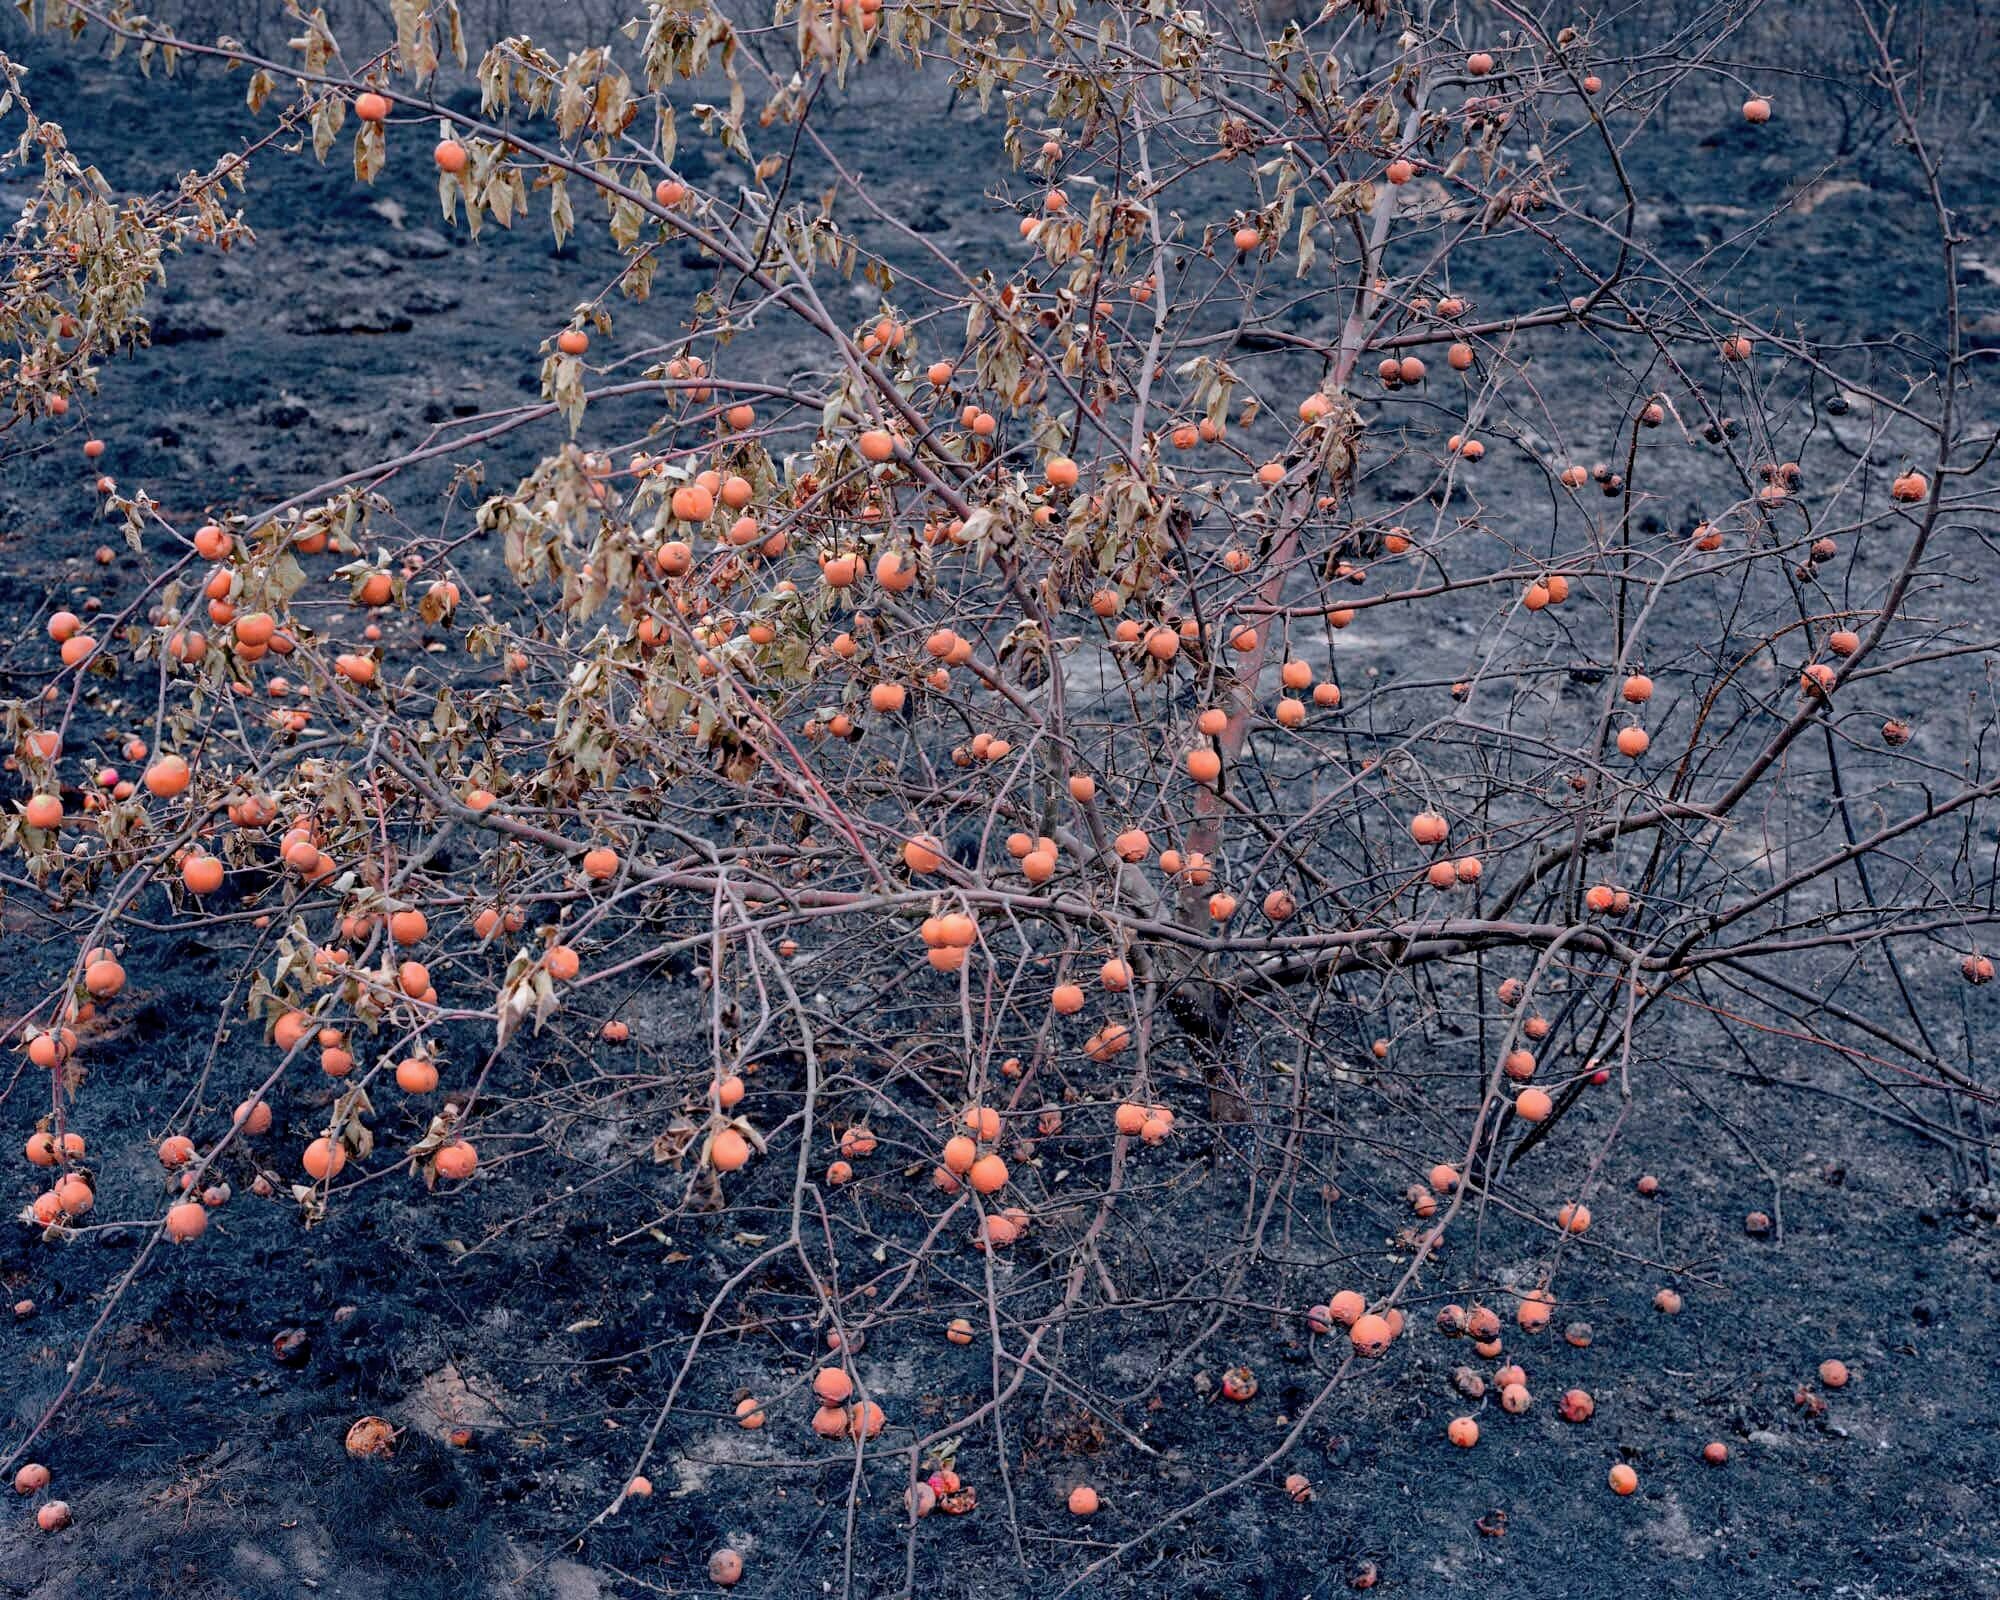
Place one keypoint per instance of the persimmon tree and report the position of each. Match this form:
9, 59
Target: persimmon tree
1168, 749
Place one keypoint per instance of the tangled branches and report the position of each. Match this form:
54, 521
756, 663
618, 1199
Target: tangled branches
1158, 753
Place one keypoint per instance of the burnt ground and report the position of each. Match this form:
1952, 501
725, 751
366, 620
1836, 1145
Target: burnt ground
202, 1465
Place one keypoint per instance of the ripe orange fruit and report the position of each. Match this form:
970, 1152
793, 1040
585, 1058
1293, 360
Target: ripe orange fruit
254, 628
457, 1159
1758, 111
894, 573
866, 1420
371, 107
1463, 1432
996, 1230
416, 1075
449, 155
958, 930
324, 1158
959, 1154
1083, 1501
988, 1174
1371, 1335
832, 1384
202, 874
1109, 1040
1623, 1479
725, 1568
1132, 845
672, 558
1833, 1373
186, 1221
728, 1151
563, 962
572, 341
355, 668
